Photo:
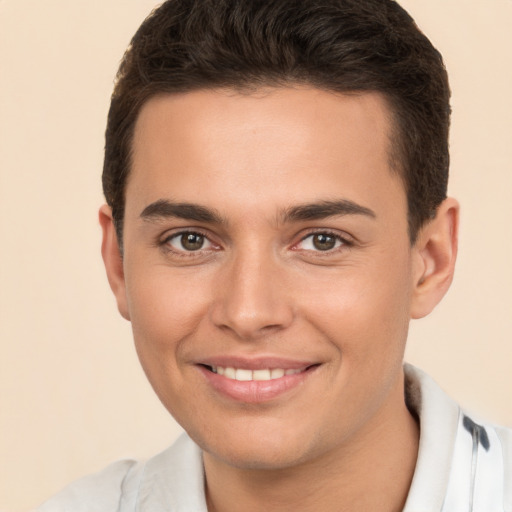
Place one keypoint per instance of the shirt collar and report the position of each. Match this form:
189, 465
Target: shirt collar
439, 419
174, 480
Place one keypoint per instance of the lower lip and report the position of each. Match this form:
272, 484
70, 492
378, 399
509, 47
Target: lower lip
255, 391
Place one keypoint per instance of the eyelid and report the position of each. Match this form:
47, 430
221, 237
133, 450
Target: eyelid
163, 241
345, 239
178, 238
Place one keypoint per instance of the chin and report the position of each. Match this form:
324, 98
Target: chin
260, 450
256, 459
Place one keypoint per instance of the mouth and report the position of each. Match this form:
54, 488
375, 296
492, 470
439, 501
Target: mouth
256, 385
246, 375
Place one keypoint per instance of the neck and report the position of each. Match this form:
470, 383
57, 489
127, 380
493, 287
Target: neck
373, 473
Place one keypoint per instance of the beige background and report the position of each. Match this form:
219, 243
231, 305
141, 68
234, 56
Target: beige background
72, 397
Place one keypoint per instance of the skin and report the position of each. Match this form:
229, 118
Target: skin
260, 287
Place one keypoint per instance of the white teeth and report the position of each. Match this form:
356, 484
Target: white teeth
230, 373
242, 374
261, 375
276, 373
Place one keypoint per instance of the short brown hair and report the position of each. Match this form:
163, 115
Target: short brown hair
344, 46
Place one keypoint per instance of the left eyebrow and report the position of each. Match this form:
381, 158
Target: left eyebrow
325, 209
164, 209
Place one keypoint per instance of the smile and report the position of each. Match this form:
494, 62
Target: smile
242, 374
269, 380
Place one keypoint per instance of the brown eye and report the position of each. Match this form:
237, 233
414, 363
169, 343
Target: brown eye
189, 242
321, 242
324, 242
192, 241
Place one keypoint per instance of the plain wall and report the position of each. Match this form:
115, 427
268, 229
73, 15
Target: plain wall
72, 395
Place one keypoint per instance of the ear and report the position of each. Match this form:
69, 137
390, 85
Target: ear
435, 254
113, 260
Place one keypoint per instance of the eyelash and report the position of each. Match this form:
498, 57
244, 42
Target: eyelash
183, 253
344, 243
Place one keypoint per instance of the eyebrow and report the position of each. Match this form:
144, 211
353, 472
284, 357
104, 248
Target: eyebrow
164, 209
325, 209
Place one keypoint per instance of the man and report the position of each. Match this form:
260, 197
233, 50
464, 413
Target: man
276, 175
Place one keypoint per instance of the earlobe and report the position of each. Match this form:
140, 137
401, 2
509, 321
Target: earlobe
435, 254
113, 260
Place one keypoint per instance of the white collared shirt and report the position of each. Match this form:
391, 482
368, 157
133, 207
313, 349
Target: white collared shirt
462, 466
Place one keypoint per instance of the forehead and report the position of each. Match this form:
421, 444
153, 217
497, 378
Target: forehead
270, 147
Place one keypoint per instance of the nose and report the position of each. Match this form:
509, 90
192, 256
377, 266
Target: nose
252, 298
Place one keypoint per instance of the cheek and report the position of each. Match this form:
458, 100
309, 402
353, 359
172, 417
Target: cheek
364, 311
165, 312
164, 306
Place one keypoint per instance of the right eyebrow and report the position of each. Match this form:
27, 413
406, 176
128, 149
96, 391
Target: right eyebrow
324, 209
164, 209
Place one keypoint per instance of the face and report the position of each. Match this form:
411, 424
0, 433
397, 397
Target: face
267, 269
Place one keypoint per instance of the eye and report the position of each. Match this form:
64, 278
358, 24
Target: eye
188, 241
321, 242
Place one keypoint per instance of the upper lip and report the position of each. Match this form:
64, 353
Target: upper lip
256, 363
